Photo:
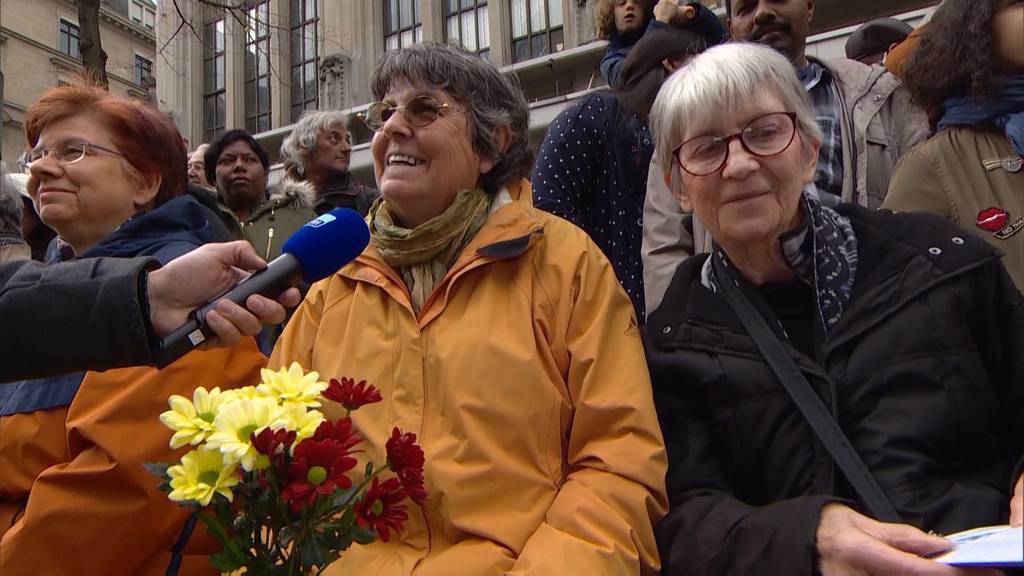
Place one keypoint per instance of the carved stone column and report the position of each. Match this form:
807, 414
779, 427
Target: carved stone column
334, 73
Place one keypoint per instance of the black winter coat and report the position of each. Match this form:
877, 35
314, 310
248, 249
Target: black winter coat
924, 373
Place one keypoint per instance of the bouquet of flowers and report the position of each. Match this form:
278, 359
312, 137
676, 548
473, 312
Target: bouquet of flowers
269, 475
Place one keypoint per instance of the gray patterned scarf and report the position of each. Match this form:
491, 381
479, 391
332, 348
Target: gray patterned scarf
822, 253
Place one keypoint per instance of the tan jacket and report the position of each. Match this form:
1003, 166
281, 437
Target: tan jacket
885, 126
947, 176
524, 378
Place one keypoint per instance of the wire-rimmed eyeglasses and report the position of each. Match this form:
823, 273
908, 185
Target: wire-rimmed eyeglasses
419, 112
67, 152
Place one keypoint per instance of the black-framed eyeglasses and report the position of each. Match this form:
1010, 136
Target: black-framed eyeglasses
763, 136
66, 153
419, 112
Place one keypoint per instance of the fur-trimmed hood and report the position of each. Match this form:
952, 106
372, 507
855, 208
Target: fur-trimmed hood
299, 190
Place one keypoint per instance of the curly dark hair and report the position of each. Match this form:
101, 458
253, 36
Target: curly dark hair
957, 56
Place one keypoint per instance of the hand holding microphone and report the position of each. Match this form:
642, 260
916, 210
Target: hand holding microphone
315, 251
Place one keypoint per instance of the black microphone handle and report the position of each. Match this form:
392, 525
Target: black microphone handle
280, 274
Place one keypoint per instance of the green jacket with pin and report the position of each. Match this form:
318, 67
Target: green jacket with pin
959, 173
272, 222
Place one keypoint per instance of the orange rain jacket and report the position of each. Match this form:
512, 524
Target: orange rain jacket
525, 381
73, 480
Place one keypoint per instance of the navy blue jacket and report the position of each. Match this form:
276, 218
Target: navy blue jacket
592, 171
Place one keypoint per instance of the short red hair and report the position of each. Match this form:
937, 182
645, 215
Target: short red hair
147, 137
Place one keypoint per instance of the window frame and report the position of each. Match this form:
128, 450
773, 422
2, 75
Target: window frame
415, 28
548, 33
136, 69
62, 34
457, 15
214, 61
301, 22
257, 38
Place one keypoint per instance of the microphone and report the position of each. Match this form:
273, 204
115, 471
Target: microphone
314, 252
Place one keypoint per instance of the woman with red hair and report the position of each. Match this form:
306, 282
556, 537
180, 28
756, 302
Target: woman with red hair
108, 174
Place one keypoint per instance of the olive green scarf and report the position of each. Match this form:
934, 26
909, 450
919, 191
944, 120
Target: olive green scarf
423, 255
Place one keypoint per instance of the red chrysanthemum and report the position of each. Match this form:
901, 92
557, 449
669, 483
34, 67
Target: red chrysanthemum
318, 467
268, 441
381, 508
351, 395
405, 458
340, 431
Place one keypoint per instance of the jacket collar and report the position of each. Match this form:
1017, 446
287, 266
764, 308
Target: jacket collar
510, 231
858, 79
901, 258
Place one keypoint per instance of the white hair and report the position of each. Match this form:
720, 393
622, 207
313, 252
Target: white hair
719, 82
296, 146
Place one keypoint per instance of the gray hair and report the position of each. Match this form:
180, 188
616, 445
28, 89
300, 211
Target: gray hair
490, 99
296, 146
719, 82
10, 207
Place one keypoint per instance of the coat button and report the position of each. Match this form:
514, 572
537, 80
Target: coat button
666, 329
640, 221
878, 97
958, 241
934, 251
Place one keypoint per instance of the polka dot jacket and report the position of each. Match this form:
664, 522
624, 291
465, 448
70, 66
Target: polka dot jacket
592, 171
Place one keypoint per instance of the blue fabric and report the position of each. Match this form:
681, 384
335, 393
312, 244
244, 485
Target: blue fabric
178, 226
166, 232
1006, 111
592, 171
27, 396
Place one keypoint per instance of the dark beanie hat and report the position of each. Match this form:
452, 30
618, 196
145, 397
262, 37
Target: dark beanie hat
876, 36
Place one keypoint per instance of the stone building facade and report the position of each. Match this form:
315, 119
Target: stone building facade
260, 66
39, 49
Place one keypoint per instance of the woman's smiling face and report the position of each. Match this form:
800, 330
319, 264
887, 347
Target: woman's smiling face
420, 170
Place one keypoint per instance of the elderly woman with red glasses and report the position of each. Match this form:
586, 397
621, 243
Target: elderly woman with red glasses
497, 333
108, 175
823, 369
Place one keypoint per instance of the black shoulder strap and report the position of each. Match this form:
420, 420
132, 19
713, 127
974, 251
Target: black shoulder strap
810, 405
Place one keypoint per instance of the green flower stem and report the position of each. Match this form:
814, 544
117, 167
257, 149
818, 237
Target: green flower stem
216, 527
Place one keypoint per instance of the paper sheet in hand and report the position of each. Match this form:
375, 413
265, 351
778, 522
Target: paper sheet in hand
996, 546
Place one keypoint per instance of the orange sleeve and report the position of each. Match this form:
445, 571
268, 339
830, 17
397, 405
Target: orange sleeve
101, 511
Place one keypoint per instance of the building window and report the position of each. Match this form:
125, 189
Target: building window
304, 56
257, 68
214, 108
536, 28
69, 39
143, 70
466, 25
142, 15
402, 25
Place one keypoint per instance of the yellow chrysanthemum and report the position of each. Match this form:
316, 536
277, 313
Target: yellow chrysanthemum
192, 421
243, 393
236, 421
292, 386
201, 474
303, 422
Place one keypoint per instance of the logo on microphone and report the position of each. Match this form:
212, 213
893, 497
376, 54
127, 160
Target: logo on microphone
321, 220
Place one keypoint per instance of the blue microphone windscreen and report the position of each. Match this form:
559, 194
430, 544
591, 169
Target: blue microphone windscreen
328, 242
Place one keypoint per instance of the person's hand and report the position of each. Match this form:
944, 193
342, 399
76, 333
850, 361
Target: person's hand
1017, 503
851, 544
188, 282
673, 12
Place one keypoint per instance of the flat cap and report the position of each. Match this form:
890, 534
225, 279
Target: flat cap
876, 36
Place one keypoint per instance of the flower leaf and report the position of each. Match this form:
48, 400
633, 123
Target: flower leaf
364, 536
225, 562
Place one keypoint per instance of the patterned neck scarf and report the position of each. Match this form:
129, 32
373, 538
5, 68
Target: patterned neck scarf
423, 255
822, 253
